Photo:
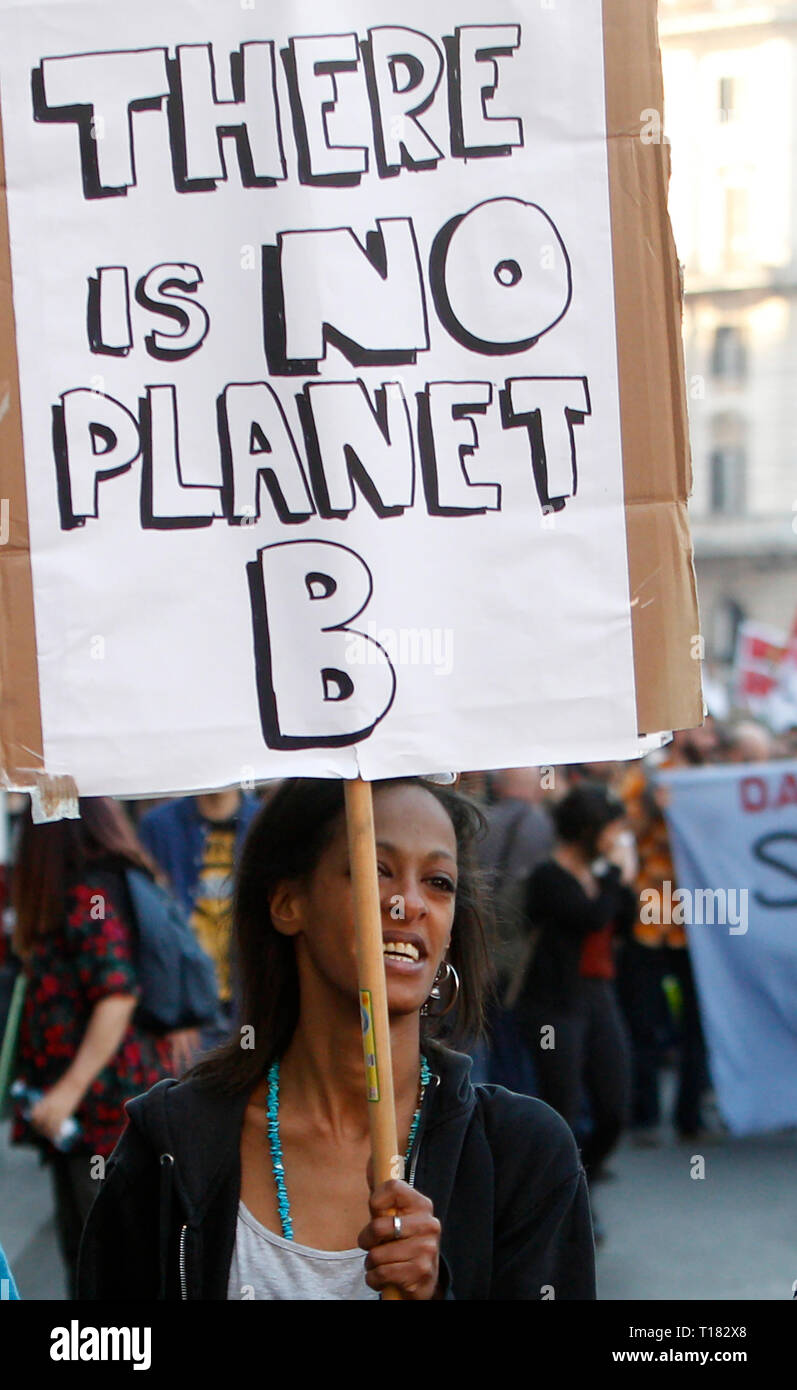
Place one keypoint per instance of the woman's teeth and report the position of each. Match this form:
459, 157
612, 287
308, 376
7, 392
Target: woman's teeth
404, 950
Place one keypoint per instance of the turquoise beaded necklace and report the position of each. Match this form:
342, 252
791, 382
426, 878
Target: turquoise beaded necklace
273, 1127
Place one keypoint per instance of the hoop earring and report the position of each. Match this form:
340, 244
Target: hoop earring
435, 992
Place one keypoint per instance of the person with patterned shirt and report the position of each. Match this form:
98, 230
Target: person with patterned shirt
80, 1045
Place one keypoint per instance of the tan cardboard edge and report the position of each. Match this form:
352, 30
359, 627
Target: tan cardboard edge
21, 744
656, 459
54, 797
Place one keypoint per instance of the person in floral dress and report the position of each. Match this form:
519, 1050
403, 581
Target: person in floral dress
80, 1043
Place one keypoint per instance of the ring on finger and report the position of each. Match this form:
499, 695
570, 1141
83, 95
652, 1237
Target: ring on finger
396, 1227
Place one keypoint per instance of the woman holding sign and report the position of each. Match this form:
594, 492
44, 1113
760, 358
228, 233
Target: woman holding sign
249, 1179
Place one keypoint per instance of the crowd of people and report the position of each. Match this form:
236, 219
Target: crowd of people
582, 1001
603, 1000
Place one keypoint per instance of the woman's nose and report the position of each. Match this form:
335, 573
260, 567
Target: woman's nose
407, 902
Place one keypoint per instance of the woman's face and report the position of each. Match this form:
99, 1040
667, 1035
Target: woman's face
606, 841
416, 853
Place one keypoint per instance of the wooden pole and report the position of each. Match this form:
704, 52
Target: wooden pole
387, 1162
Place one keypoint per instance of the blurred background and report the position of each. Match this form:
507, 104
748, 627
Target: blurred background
730, 75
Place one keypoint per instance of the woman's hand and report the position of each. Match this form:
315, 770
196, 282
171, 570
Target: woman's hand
409, 1263
624, 855
104, 1033
55, 1106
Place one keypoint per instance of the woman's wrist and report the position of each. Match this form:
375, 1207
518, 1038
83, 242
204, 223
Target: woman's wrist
72, 1088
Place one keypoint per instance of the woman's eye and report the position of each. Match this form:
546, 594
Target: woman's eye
445, 884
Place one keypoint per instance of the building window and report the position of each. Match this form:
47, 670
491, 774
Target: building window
729, 354
728, 464
728, 467
727, 98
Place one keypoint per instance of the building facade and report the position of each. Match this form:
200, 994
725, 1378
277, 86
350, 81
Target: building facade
730, 74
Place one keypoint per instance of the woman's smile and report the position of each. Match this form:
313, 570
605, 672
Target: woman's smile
404, 951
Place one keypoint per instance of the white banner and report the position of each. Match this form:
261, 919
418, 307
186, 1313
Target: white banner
734, 841
316, 337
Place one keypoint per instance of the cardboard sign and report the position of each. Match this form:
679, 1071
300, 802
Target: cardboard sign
347, 364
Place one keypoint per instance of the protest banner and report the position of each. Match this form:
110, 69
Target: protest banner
347, 363
760, 649
345, 349
734, 839
781, 707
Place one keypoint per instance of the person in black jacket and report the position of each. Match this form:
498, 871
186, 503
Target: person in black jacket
578, 903
249, 1179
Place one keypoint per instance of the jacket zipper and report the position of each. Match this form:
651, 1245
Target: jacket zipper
183, 1286
416, 1148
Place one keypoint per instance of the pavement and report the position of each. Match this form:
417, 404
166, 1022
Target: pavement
730, 1234
27, 1228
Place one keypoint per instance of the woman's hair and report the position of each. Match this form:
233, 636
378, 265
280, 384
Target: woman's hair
285, 841
51, 857
584, 812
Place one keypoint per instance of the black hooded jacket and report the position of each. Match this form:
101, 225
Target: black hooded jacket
502, 1171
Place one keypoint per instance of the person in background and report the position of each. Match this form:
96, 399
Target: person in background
519, 836
608, 774
519, 827
579, 900
197, 841
658, 951
79, 1043
748, 742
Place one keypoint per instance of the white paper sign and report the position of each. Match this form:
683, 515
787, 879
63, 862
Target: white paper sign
315, 322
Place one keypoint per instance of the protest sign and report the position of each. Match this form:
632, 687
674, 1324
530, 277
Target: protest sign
346, 358
734, 841
758, 658
781, 707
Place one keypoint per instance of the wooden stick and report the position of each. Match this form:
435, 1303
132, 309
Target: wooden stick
387, 1162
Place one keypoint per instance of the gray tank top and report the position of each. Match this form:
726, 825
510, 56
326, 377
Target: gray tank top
265, 1265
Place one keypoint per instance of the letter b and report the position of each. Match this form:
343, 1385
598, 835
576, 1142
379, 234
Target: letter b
304, 594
